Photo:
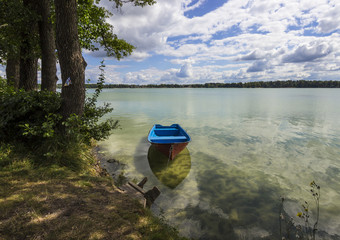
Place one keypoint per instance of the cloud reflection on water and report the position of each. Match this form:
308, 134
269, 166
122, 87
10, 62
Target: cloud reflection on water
249, 146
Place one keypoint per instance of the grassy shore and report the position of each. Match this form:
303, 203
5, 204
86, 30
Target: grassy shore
52, 202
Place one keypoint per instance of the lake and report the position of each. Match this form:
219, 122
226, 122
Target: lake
249, 147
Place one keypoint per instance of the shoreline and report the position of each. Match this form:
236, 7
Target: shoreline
52, 202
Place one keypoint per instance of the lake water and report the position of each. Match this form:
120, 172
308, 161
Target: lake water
249, 147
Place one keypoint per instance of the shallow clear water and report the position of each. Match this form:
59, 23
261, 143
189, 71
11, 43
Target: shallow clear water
249, 147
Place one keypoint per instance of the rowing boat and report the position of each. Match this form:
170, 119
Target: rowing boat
169, 140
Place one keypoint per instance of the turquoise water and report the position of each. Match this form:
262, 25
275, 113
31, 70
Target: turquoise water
249, 147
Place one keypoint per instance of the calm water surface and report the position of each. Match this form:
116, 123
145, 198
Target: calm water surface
249, 147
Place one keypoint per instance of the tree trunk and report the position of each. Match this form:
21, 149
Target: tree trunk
47, 44
72, 64
13, 71
28, 74
28, 58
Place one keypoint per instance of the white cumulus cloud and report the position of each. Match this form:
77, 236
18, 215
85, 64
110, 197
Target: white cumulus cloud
245, 40
185, 71
308, 52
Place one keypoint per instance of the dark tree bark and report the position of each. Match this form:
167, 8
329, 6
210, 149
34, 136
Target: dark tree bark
47, 44
28, 56
28, 73
72, 64
13, 71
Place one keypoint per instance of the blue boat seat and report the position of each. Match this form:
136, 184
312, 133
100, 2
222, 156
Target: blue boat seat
168, 138
166, 129
168, 134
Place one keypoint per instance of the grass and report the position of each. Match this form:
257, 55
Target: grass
52, 202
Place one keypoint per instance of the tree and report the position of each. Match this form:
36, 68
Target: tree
22, 43
79, 24
10, 38
71, 61
13, 71
47, 45
28, 49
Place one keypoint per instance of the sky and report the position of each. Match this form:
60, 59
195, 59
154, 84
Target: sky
199, 41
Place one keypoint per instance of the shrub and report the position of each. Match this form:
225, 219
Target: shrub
89, 123
28, 117
33, 120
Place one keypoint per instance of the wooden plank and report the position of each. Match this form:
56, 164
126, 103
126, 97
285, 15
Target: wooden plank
137, 192
135, 186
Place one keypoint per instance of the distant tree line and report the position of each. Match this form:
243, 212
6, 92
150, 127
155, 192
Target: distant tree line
260, 84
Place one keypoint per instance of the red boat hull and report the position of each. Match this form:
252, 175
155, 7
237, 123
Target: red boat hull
170, 150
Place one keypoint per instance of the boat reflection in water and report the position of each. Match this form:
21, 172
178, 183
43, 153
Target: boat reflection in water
170, 173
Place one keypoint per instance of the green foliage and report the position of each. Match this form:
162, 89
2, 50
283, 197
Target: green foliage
3, 85
90, 19
141, 3
5, 150
10, 24
15, 22
28, 117
33, 120
93, 29
64, 150
92, 127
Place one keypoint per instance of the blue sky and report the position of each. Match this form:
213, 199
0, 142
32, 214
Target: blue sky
198, 41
